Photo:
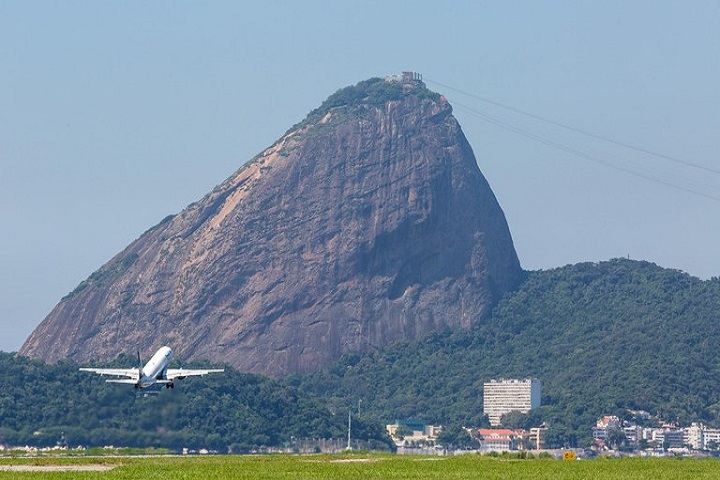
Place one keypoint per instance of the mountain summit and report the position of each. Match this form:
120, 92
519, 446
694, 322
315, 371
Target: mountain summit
366, 223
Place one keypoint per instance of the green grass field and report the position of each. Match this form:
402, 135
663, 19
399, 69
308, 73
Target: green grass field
357, 466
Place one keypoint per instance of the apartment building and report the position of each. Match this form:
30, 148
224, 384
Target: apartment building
508, 395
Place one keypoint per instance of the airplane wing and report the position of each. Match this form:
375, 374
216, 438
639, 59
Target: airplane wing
180, 373
130, 373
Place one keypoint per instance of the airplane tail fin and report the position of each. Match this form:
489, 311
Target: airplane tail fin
140, 366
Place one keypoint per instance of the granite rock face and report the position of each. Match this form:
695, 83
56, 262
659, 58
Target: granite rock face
367, 223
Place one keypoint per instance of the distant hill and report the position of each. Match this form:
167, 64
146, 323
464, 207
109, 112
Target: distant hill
367, 223
603, 338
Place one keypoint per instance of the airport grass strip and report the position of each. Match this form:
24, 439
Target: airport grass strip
361, 467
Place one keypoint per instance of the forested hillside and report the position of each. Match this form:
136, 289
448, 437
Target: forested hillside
603, 338
39, 403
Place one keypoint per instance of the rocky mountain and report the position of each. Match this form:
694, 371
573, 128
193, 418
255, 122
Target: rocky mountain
368, 222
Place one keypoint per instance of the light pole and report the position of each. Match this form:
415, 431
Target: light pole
349, 427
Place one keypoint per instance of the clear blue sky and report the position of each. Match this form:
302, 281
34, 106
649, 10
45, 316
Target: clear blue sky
116, 114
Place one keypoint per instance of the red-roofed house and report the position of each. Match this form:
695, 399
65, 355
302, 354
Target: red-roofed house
500, 439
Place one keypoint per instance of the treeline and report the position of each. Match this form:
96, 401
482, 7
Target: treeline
41, 405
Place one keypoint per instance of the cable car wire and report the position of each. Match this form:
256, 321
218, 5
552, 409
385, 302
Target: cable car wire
579, 130
653, 174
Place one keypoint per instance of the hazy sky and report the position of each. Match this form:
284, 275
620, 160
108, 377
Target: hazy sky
115, 114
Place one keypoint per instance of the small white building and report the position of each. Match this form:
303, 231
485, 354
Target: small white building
700, 437
420, 431
605, 425
668, 437
499, 439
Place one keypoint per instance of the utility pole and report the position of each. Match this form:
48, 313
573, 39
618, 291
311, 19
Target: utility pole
349, 426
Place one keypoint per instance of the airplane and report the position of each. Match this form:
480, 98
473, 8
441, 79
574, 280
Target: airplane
155, 372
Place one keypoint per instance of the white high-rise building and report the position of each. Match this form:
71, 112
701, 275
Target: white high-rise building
504, 396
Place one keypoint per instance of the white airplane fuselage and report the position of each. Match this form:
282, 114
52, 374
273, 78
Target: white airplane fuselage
155, 368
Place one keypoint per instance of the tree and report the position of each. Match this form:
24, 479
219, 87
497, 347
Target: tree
615, 438
402, 432
457, 437
525, 421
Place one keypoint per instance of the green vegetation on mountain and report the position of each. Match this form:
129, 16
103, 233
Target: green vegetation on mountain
373, 91
603, 338
111, 271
